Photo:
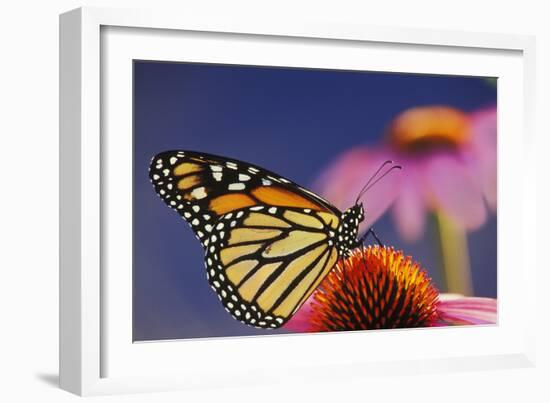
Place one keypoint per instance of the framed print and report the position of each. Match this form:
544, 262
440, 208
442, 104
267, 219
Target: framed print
257, 193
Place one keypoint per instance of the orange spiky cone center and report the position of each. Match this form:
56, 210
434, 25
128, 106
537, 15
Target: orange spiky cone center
375, 288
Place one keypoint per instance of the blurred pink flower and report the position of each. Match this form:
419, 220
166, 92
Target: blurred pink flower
381, 288
449, 164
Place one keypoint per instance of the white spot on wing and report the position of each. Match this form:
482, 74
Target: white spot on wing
199, 193
236, 186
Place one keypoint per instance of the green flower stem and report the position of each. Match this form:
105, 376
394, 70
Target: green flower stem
455, 255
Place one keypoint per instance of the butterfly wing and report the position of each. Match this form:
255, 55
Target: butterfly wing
265, 261
268, 241
202, 187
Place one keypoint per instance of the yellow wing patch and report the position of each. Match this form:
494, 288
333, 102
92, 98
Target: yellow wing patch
236, 272
289, 304
329, 219
242, 235
303, 219
250, 287
321, 271
227, 255
264, 220
274, 290
293, 242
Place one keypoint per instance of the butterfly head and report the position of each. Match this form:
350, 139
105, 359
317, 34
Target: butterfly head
355, 214
349, 227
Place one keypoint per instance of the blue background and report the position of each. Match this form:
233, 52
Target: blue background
291, 121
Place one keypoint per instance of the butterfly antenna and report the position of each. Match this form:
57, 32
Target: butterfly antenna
381, 177
372, 177
370, 183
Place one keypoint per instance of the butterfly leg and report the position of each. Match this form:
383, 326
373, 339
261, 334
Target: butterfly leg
371, 232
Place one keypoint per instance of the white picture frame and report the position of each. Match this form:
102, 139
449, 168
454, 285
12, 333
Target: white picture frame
96, 354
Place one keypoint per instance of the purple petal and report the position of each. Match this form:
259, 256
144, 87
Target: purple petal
484, 126
344, 179
409, 209
484, 148
454, 190
458, 310
333, 182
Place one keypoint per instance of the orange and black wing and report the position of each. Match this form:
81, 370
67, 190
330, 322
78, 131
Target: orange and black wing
202, 187
268, 242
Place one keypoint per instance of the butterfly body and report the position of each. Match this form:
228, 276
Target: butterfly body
268, 242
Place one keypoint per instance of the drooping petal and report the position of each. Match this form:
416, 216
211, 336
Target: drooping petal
453, 190
342, 181
409, 209
458, 310
334, 180
484, 149
484, 127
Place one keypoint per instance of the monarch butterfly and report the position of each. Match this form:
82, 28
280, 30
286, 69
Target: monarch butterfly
268, 242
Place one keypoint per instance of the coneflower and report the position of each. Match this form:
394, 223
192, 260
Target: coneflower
381, 288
